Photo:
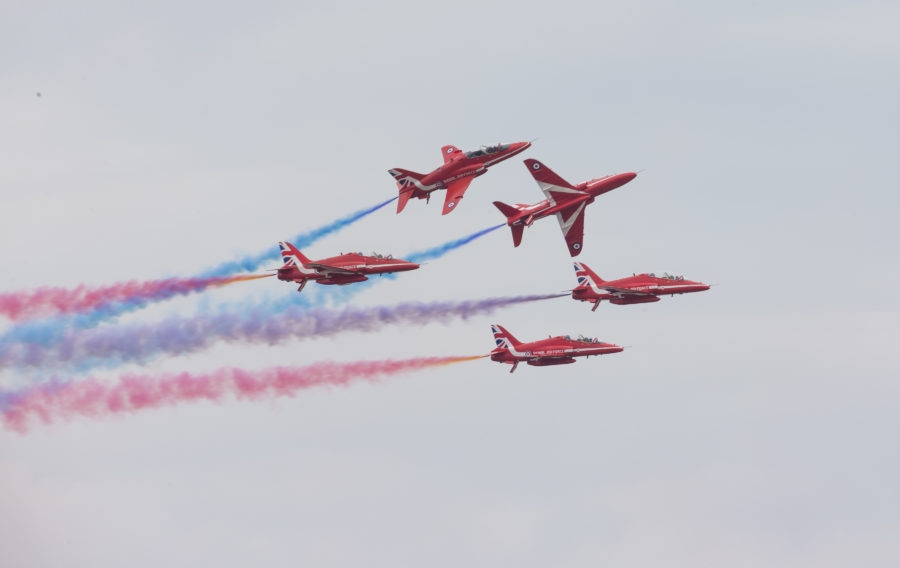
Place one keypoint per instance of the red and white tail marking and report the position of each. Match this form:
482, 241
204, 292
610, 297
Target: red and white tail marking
407, 183
586, 277
290, 256
502, 338
406, 179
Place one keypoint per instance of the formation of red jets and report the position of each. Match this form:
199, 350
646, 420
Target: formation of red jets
564, 200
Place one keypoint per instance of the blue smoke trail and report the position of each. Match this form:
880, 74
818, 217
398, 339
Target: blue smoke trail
50, 330
338, 295
254, 261
441, 250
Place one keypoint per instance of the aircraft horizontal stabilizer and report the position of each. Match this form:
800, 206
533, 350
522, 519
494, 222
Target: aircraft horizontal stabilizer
507, 210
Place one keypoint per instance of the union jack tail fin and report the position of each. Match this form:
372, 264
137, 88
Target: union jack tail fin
511, 212
406, 183
586, 276
290, 256
502, 338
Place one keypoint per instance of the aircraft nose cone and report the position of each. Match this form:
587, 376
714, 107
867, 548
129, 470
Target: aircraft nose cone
517, 147
627, 177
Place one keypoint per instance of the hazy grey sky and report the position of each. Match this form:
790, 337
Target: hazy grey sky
750, 425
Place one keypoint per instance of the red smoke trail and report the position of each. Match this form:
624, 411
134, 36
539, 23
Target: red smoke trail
131, 393
29, 304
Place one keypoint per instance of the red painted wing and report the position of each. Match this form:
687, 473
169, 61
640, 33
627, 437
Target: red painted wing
450, 152
455, 191
545, 176
557, 190
571, 221
327, 269
625, 291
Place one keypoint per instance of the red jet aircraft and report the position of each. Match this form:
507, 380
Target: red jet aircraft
564, 200
553, 351
340, 270
639, 289
458, 171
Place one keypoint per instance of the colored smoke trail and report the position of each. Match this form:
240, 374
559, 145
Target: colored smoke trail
42, 302
53, 330
253, 261
268, 323
341, 294
441, 250
131, 393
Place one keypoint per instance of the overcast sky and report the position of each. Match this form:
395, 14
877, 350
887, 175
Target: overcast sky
750, 425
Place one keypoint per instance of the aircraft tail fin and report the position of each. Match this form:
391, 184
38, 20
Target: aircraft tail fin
290, 256
406, 183
586, 276
502, 338
511, 212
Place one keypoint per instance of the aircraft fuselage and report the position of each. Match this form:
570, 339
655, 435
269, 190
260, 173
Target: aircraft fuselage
593, 188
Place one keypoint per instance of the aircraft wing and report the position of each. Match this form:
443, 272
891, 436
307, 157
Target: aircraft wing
455, 191
327, 269
554, 187
450, 152
626, 292
571, 221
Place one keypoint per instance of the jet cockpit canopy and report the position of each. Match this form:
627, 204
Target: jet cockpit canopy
668, 276
486, 150
582, 338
